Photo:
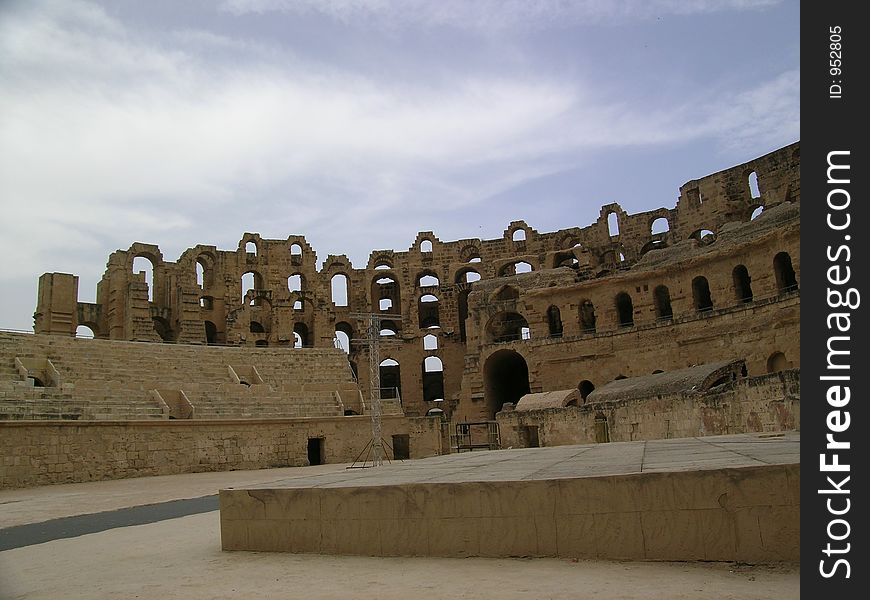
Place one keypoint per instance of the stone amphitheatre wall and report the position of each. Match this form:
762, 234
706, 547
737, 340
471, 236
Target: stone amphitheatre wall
46, 452
201, 298
767, 403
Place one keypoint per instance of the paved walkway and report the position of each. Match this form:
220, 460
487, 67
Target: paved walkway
181, 558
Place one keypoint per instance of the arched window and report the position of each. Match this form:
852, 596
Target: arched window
200, 274
753, 185
428, 311
660, 225
296, 250
391, 380
251, 248
519, 235
701, 294
624, 310
777, 362
300, 334
339, 287
786, 279
143, 264
83, 331
613, 224
428, 280
586, 387
554, 321
662, 301
251, 281
587, 316
742, 284
522, 267
433, 379
343, 340
294, 283
430, 342
426, 246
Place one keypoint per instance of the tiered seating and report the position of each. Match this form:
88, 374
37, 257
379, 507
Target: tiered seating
116, 380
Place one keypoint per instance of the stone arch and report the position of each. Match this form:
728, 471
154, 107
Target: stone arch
506, 379
301, 335
624, 310
585, 387
340, 289
742, 284
662, 302
344, 335
786, 280
433, 379
554, 321
427, 309
701, 296
391, 378
777, 362
506, 326
587, 316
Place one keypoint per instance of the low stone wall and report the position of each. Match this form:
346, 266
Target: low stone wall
45, 452
755, 404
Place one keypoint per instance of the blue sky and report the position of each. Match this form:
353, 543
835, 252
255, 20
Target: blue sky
358, 123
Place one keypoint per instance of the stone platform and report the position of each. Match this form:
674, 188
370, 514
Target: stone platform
718, 498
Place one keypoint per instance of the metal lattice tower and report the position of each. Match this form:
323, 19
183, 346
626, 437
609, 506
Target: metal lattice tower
372, 342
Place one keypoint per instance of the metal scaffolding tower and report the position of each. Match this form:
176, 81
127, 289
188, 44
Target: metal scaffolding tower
374, 450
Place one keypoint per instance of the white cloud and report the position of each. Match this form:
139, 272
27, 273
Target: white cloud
107, 137
491, 14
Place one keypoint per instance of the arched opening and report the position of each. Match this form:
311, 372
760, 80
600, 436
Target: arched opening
210, 333
660, 225
389, 329
391, 380
586, 387
251, 248
467, 275
701, 294
428, 311
522, 267
462, 309
506, 379
613, 224
257, 327
602, 430
756, 213
339, 285
294, 282
163, 329
777, 362
624, 310
587, 316
430, 342
86, 332
742, 284
662, 301
251, 281
295, 250
385, 291
300, 335
507, 327
754, 192
426, 246
786, 280
554, 321
704, 236
433, 379
200, 274
519, 235
342, 341
382, 265
428, 280
143, 264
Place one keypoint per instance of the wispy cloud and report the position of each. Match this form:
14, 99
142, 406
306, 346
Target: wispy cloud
491, 14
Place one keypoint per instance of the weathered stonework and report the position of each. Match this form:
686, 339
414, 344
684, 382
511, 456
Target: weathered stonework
731, 293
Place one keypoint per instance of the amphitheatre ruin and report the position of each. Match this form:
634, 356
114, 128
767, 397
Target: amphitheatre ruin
551, 382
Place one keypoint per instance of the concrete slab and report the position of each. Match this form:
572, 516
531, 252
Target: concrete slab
691, 499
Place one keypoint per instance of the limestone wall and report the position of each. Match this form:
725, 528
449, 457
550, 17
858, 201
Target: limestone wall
38, 453
290, 290
767, 403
